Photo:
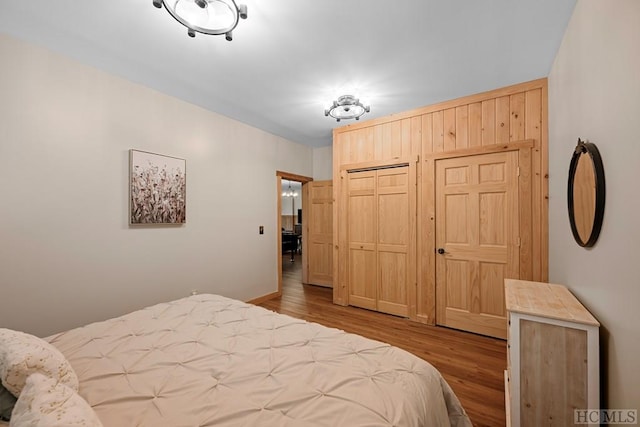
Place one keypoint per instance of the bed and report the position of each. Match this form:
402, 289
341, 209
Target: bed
207, 360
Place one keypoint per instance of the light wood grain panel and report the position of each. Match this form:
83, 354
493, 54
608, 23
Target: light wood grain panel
525, 214
517, 119
405, 137
416, 136
392, 283
426, 310
462, 127
533, 107
456, 228
553, 366
426, 288
475, 124
491, 292
396, 142
489, 122
546, 300
449, 129
389, 149
361, 145
427, 133
457, 274
492, 213
502, 120
378, 143
362, 278
346, 146
438, 131
542, 231
356, 152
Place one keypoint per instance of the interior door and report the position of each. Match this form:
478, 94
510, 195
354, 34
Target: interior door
320, 235
381, 237
477, 240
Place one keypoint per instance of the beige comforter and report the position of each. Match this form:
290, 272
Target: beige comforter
207, 360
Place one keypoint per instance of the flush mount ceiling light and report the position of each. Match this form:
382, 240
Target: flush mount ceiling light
214, 17
347, 107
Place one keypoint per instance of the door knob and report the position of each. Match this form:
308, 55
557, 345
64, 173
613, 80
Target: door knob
441, 251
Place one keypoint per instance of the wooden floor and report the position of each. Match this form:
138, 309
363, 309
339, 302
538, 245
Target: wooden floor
473, 365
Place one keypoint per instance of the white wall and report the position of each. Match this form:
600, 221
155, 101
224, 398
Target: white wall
323, 163
594, 94
67, 254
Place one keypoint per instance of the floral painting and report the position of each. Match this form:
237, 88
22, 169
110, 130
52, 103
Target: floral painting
158, 189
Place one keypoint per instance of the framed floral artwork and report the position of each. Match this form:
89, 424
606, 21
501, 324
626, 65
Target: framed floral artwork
157, 189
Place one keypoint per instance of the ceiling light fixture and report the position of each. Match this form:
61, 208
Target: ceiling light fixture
289, 192
347, 107
214, 17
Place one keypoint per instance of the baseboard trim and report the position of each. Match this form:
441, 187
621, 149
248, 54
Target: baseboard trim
264, 298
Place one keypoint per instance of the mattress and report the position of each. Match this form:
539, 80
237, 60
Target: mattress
207, 360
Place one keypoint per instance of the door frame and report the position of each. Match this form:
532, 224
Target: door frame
525, 199
304, 193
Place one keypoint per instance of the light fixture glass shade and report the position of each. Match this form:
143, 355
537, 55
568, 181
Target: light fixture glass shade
347, 107
213, 17
289, 192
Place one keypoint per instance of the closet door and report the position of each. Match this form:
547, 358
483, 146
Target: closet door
362, 237
382, 238
393, 240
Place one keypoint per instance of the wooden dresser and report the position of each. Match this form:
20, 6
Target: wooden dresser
553, 355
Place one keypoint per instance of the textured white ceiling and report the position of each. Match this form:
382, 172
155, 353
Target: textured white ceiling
292, 57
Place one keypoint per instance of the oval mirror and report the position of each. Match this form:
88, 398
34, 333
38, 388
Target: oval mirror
586, 193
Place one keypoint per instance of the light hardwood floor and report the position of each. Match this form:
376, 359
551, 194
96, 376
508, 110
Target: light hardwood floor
472, 364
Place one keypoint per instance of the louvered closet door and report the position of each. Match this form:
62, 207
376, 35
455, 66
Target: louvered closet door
381, 232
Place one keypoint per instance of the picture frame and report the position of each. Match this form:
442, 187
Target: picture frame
157, 189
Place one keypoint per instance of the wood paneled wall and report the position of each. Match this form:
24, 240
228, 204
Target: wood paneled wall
497, 120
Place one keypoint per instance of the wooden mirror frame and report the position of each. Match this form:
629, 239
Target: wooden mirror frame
587, 148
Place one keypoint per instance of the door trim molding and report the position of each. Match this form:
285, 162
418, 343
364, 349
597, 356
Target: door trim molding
280, 175
487, 149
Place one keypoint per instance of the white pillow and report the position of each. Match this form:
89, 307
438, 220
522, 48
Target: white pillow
22, 354
44, 402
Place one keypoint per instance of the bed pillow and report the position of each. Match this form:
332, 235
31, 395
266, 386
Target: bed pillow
22, 354
7, 402
47, 402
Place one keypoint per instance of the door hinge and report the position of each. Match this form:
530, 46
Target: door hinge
518, 171
518, 242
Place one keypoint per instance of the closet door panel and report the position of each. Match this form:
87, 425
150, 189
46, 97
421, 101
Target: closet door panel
393, 240
362, 239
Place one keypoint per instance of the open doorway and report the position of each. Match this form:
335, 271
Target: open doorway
292, 197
